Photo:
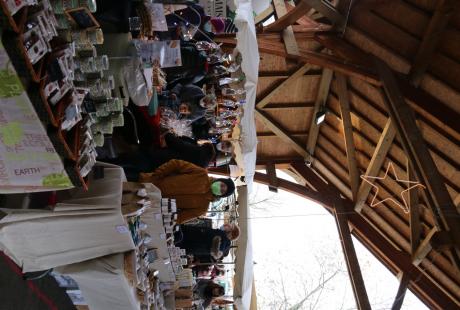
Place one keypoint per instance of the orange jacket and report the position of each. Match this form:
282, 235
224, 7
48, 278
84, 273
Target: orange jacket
189, 184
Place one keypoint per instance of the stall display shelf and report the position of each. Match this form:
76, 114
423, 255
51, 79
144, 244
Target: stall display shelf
32, 75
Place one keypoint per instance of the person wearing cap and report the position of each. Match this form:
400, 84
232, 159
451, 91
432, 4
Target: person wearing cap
190, 185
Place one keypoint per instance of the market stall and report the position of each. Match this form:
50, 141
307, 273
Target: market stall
77, 76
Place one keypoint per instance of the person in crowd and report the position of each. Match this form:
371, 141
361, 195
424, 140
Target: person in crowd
217, 271
188, 101
206, 243
183, 148
207, 291
190, 185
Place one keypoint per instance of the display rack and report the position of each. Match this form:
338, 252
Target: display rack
33, 76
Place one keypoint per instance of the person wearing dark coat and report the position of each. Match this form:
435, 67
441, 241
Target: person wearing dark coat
186, 100
182, 148
206, 243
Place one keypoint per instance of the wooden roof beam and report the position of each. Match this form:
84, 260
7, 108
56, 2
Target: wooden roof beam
264, 15
272, 179
417, 151
444, 11
344, 103
280, 132
288, 18
319, 59
299, 73
321, 99
289, 105
414, 212
419, 97
330, 12
354, 270
376, 163
403, 284
287, 32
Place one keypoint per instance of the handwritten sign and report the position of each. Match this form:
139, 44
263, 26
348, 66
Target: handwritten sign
165, 53
28, 161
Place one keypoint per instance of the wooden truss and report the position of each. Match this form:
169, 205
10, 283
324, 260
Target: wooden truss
339, 59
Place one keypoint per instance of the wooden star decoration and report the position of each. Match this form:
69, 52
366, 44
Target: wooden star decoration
409, 184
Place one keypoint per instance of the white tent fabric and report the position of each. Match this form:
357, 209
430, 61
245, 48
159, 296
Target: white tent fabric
242, 291
247, 45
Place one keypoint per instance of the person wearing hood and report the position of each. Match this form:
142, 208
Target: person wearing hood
190, 186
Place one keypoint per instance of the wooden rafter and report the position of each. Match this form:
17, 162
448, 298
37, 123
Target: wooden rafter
306, 20
327, 10
288, 34
344, 103
442, 14
399, 299
378, 158
354, 271
272, 179
299, 73
320, 59
424, 248
289, 105
414, 212
280, 132
289, 18
264, 15
417, 151
419, 97
321, 99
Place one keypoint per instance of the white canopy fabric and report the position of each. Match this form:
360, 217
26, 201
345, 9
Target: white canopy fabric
242, 290
247, 45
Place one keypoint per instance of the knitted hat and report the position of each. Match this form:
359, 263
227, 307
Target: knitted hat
218, 24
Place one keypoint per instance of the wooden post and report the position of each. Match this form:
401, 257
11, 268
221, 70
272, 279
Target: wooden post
399, 299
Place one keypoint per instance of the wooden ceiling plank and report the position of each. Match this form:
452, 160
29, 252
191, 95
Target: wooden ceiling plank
444, 11
414, 212
321, 99
416, 149
300, 72
354, 270
344, 103
378, 158
280, 132
287, 18
402, 289
288, 34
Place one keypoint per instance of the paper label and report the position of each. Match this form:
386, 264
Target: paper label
165, 53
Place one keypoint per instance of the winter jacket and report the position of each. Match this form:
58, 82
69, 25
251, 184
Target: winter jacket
189, 184
202, 242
